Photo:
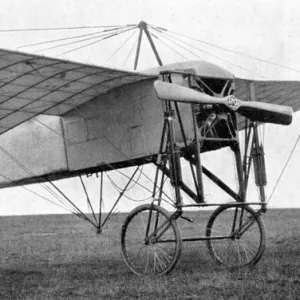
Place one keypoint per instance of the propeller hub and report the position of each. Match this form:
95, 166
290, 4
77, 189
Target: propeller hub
233, 103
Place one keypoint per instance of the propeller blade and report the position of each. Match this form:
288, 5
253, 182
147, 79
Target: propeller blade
175, 92
255, 111
266, 112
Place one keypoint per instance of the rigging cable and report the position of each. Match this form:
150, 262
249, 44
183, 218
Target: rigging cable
37, 194
162, 30
92, 43
63, 28
90, 206
118, 189
101, 34
24, 168
170, 38
66, 38
122, 45
129, 187
229, 50
195, 54
169, 47
130, 52
288, 160
53, 193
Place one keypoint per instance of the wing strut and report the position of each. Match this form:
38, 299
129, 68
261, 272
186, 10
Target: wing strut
143, 28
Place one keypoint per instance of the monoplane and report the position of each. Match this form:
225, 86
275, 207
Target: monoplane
60, 119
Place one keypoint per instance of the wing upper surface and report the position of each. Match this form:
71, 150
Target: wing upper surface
31, 85
274, 92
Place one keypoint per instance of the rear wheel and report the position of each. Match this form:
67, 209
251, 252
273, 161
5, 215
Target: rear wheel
151, 241
236, 235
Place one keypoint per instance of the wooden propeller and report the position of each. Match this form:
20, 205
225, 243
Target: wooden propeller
253, 110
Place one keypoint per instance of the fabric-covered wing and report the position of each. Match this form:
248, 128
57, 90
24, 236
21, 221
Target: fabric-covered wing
31, 85
276, 92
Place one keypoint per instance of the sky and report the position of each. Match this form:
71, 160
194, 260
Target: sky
268, 30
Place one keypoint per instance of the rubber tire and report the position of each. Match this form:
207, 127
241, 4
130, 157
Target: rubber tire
173, 224
262, 233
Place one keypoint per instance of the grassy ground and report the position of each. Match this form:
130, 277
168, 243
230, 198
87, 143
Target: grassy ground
61, 257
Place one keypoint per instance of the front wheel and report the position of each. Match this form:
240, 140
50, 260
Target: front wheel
236, 236
151, 241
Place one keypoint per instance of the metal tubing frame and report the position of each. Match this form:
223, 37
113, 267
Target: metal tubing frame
174, 172
184, 140
238, 160
197, 160
175, 168
255, 144
143, 28
138, 48
100, 203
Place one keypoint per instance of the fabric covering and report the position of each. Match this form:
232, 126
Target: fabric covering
275, 92
31, 85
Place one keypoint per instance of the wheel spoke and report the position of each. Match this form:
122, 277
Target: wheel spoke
165, 254
245, 246
246, 253
160, 261
138, 255
237, 247
142, 232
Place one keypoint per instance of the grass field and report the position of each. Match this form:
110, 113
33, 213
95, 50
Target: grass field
61, 257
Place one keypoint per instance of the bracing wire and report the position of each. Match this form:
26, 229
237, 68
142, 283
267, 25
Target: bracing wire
99, 34
286, 164
169, 47
157, 28
37, 194
78, 212
23, 167
171, 38
125, 156
228, 50
129, 187
122, 45
92, 43
177, 44
130, 52
90, 206
64, 28
61, 39
119, 189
